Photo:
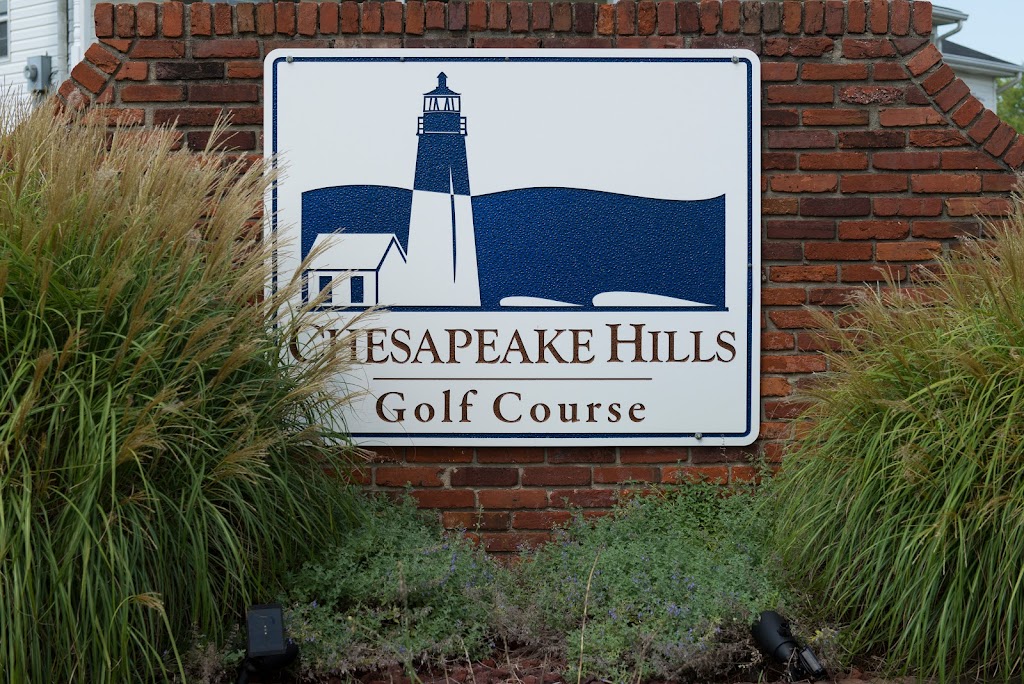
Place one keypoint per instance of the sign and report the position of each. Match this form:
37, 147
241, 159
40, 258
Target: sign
565, 244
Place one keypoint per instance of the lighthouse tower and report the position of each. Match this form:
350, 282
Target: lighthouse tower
441, 269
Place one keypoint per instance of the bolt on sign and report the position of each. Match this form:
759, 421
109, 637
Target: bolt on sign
558, 246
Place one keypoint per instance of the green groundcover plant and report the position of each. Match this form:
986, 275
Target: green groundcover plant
669, 584
904, 504
160, 465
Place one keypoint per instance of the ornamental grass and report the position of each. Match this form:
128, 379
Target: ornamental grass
904, 503
161, 465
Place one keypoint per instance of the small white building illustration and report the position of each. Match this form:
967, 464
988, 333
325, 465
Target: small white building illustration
371, 262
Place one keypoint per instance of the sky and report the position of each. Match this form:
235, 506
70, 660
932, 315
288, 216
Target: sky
994, 27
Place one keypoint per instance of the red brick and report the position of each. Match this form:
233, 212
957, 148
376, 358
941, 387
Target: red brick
439, 454
805, 183
985, 125
803, 274
834, 72
845, 206
783, 296
222, 24
775, 206
781, 251
457, 15
956, 160
134, 71
265, 19
433, 16
117, 117
807, 47
952, 94
873, 273
91, 79
782, 161
512, 498
306, 18
872, 139
865, 48
584, 18
556, 475
776, 387
623, 474
968, 111
401, 476
244, 69
285, 17
835, 117
540, 520
771, 16
229, 92
801, 229
837, 251
187, 116
693, 474
102, 59
1000, 140
582, 498
124, 20
791, 16
646, 18
879, 16
876, 182
519, 16
104, 19
245, 17
795, 320
581, 455
874, 230
947, 183
152, 93
782, 94
484, 477
900, 17
908, 251
834, 11
905, 161
937, 138
778, 71
917, 116
510, 455
776, 341
856, 21
477, 15
200, 19
710, 14
145, 19
561, 17
869, 95
814, 16
998, 182
653, 454
150, 49
666, 17
978, 206
231, 48
372, 19
779, 410
730, 16
688, 16
1014, 157
625, 17
892, 206
944, 230
922, 17
443, 498
172, 19
476, 520
227, 140
889, 71
393, 11
780, 117
833, 161
942, 77
800, 139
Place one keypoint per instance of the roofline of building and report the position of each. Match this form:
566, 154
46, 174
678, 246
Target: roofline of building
982, 66
947, 15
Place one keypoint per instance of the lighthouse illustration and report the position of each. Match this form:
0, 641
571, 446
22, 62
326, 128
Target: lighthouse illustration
437, 267
436, 246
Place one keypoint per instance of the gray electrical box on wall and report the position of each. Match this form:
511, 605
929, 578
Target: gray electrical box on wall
37, 73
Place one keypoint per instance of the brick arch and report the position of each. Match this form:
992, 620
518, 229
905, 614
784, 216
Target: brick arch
875, 158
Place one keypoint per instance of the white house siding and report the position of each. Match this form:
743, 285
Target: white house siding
983, 88
37, 27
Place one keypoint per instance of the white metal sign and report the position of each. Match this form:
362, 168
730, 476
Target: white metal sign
565, 244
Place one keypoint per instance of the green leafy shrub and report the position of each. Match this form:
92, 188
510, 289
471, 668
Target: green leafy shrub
904, 504
398, 591
160, 464
670, 582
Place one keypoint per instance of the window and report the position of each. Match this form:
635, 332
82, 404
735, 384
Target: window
357, 289
325, 281
5, 43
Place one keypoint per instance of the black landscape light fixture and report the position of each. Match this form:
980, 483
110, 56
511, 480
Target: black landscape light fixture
266, 649
771, 632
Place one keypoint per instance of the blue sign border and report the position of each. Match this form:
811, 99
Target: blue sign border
496, 59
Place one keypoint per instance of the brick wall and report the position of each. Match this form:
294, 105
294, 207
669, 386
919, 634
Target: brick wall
875, 158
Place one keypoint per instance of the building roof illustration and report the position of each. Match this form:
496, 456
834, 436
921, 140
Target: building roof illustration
356, 252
